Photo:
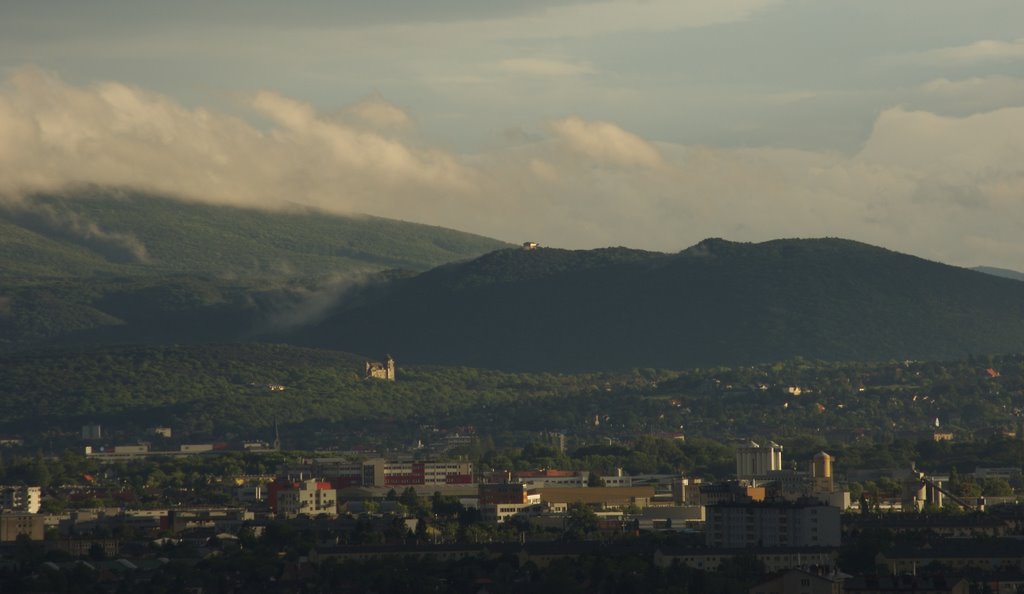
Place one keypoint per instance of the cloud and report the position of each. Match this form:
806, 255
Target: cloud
969, 95
606, 142
956, 150
53, 135
380, 114
391, 160
69, 225
611, 16
986, 50
542, 67
944, 187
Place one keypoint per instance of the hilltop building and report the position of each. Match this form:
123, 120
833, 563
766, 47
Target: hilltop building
376, 370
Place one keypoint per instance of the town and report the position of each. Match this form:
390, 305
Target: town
908, 505
307, 520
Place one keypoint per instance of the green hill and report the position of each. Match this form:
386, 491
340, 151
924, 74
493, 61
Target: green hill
716, 303
110, 232
106, 266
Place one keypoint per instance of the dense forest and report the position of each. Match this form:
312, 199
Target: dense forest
716, 303
106, 266
320, 400
119, 233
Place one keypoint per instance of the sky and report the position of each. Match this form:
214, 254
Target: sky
575, 123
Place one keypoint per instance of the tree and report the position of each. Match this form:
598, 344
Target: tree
39, 473
409, 498
421, 530
996, 487
580, 521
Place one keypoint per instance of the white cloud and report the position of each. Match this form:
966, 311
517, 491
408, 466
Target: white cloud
627, 15
543, 67
606, 142
53, 134
948, 188
969, 95
986, 50
381, 114
954, 150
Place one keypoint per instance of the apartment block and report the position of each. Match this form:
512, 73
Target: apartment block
772, 524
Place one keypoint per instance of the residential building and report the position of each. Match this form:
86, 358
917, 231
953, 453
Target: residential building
960, 554
773, 558
496, 513
799, 581
772, 524
918, 584
13, 524
20, 498
308, 498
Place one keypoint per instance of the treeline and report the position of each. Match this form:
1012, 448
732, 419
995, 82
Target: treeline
229, 392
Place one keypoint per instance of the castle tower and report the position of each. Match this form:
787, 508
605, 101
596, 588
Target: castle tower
384, 371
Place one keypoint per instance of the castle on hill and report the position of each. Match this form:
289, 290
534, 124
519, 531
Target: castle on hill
376, 370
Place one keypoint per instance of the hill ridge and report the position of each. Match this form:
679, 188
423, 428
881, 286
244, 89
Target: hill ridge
132, 233
824, 298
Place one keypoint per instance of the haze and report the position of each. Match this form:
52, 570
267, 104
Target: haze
649, 124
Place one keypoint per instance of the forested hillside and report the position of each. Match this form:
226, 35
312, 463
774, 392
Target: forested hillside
716, 303
222, 393
111, 232
105, 266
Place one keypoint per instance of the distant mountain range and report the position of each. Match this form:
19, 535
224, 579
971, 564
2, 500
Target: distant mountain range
110, 267
716, 303
1003, 272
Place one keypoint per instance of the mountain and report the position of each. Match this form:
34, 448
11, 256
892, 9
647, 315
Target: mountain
117, 233
1003, 272
108, 266
716, 303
